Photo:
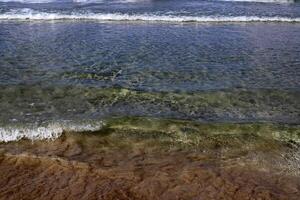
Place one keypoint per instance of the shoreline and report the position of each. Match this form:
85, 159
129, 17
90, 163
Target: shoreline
134, 158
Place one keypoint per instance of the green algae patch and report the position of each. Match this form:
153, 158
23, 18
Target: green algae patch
169, 134
70, 102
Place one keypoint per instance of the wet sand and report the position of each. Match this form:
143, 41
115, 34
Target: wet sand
134, 163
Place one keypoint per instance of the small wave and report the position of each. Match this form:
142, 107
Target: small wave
263, 1
49, 131
29, 1
133, 1
29, 14
51, 1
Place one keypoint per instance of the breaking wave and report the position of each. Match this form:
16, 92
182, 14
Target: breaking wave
49, 131
264, 1
133, 1
29, 14
29, 1
52, 1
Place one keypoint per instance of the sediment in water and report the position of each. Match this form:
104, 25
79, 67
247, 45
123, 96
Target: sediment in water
146, 158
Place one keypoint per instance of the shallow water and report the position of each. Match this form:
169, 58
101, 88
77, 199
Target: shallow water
149, 99
90, 70
83, 61
143, 158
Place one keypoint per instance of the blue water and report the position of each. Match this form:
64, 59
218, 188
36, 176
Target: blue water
216, 61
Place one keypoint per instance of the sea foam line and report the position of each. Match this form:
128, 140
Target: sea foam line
29, 14
263, 1
51, 1
49, 131
133, 1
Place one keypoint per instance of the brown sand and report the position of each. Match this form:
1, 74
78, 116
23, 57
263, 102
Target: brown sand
68, 169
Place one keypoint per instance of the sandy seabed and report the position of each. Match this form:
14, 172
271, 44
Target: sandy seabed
87, 166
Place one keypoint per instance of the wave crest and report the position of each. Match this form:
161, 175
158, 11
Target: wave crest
49, 131
51, 1
29, 14
263, 1
134, 1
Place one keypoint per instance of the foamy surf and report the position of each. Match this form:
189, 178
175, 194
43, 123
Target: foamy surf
49, 131
29, 14
131, 1
51, 1
263, 1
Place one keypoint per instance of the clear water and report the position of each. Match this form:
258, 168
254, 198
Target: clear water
215, 61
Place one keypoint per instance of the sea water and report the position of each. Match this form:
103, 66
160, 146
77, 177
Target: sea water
70, 65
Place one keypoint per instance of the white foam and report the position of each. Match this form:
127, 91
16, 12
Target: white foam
50, 131
87, 1
264, 1
53, 1
134, 1
29, 14
29, 1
